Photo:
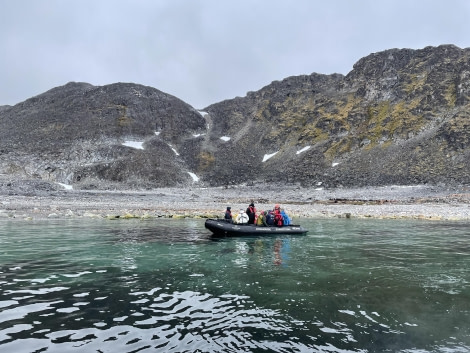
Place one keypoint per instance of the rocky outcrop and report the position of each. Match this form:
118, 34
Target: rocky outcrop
401, 116
120, 135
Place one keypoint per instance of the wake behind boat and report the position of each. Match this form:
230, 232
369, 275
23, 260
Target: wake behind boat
223, 228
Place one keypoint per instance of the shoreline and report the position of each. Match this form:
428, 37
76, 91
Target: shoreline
391, 202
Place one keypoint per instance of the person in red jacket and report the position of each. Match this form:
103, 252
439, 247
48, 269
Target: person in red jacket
278, 219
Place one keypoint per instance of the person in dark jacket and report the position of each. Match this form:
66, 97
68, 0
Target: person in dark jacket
228, 215
251, 212
270, 218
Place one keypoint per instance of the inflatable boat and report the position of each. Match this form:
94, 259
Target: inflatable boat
221, 227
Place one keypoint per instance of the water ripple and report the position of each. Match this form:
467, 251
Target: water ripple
175, 322
347, 287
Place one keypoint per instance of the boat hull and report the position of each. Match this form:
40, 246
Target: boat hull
223, 228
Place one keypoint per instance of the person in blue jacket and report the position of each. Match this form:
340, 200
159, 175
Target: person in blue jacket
285, 217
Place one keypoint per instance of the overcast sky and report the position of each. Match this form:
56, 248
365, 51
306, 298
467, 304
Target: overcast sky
205, 51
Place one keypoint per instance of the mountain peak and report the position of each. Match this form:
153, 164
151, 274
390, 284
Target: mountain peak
399, 117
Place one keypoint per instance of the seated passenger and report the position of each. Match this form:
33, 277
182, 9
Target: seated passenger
285, 217
228, 215
270, 218
251, 212
261, 220
278, 220
242, 217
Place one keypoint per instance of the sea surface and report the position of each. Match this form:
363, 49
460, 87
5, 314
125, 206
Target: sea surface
166, 285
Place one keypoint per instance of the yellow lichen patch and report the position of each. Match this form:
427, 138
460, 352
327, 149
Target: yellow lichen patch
386, 120
344, 110
206, 160
55, 126
451, 95
123, 121
313, 134
373, 127
262, 113
294, 120
146, 216
403, 120
338, 148
129, 216
417, 82
387, 144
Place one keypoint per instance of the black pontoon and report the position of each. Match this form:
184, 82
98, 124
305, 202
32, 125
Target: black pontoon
224, 228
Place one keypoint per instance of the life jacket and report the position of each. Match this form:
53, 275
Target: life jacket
278, 220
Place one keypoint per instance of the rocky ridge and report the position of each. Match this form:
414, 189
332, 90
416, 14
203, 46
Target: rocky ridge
400, 117
116, 136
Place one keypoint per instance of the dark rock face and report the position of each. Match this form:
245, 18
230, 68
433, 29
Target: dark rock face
75, 134
401, 116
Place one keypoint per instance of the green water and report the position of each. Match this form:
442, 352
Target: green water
166, 286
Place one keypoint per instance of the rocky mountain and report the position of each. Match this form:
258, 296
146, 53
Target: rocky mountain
401, 116
120, 135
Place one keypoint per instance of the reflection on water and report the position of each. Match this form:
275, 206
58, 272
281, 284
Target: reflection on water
166, 285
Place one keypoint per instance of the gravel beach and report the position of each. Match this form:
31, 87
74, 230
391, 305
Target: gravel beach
393, 202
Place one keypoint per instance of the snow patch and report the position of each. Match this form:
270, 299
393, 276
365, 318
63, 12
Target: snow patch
306, 148
134, 144
334, 164
267, 156
172, 148
202, 113
194, 176
198, 135
225, 138
157, 133
66, 186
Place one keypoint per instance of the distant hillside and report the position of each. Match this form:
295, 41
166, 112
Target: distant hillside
76, 134
400, 116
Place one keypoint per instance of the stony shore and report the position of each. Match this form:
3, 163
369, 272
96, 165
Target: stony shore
394, 202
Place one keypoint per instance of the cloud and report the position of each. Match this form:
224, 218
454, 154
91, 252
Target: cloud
205, 51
